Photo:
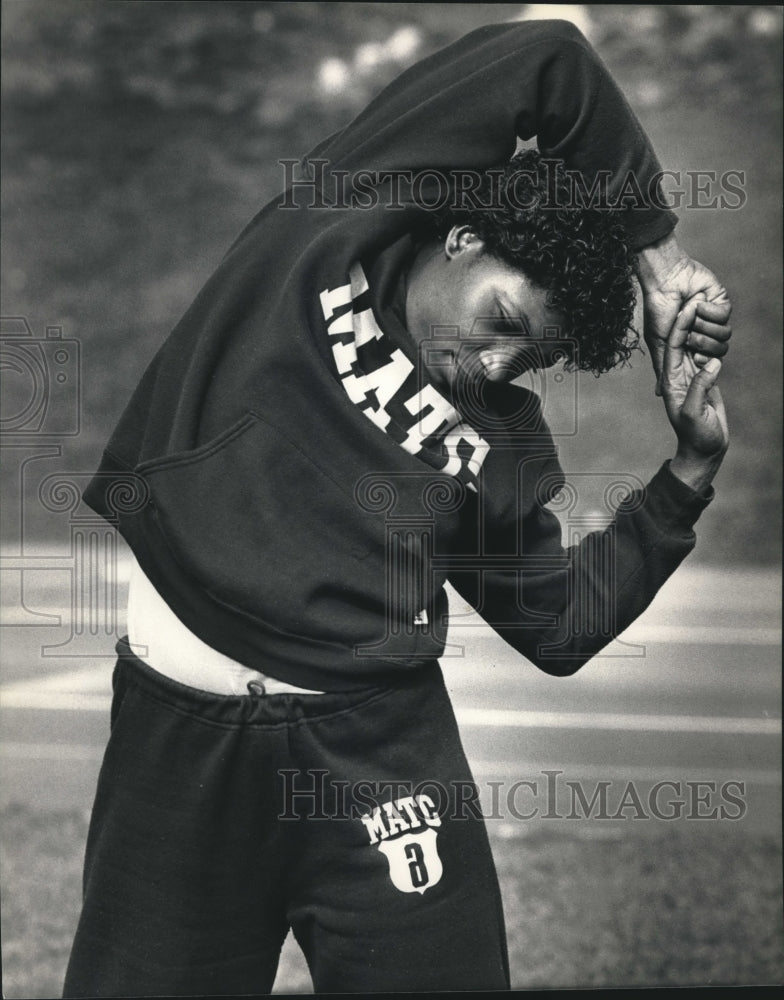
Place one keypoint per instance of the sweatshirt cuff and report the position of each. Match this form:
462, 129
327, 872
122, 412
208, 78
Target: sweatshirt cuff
647, 225
673, 501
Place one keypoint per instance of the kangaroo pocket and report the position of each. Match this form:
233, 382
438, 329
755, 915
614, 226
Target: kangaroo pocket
265, 529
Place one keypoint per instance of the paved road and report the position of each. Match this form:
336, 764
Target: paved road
690, 696
691, 693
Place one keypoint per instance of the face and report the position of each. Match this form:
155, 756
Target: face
505, 325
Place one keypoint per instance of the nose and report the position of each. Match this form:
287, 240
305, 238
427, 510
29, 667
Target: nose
505, 362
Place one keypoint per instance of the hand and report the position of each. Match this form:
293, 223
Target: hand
694, 406
669, 277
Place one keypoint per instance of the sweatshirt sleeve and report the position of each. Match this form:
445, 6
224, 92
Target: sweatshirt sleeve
560, 606
465, 107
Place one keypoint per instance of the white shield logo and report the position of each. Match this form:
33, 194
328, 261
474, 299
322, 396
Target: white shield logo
414, 864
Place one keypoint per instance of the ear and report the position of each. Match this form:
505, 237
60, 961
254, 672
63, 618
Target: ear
460, 239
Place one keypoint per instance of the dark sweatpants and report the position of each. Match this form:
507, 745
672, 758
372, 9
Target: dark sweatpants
199, 857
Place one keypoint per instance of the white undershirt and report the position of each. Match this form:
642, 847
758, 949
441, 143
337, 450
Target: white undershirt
158, 637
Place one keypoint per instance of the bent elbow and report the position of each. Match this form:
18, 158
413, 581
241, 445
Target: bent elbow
559, 666
559, 29
551, 658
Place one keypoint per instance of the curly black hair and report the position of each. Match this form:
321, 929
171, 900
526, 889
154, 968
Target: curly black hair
578, 255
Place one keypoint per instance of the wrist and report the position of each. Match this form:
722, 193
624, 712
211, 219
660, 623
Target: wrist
696, 471
659, 261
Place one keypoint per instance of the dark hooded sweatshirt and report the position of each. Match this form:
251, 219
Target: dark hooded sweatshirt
280, 525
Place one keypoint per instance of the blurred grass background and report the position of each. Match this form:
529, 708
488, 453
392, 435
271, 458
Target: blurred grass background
683, 906
140, 137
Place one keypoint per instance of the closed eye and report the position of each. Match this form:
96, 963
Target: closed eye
506, 323
508, 327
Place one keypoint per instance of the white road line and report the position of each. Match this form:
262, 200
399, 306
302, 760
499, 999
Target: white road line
50, 751
677, 635
82, 680
487, 770
28, 698
55, 701
494, 717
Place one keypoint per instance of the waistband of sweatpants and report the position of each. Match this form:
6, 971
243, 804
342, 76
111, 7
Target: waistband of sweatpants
262, 709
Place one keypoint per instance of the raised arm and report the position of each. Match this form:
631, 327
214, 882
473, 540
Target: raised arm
466, 106
560, 606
